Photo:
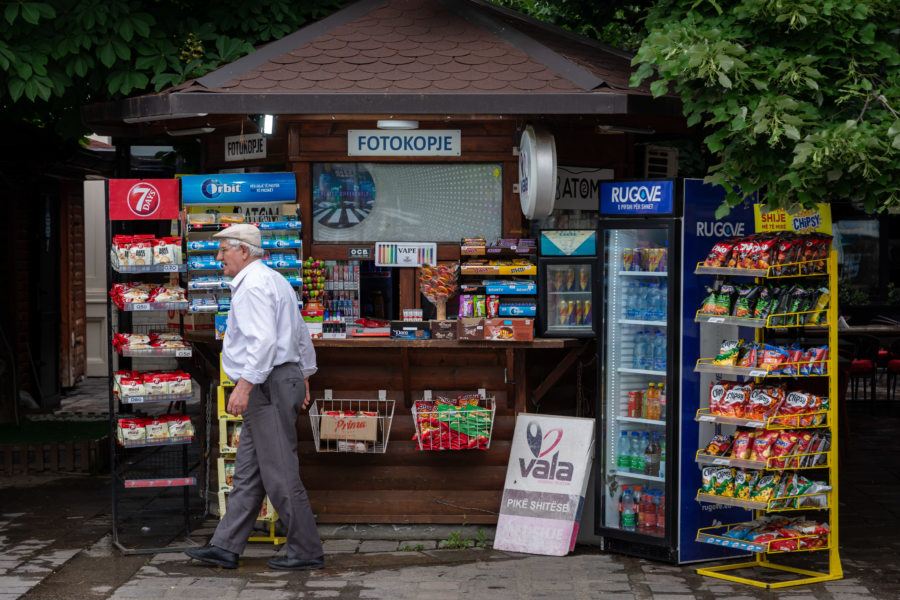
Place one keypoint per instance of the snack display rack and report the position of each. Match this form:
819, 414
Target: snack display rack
464, 424
228, 445
764, 572
482, 295
351, 425
167, 466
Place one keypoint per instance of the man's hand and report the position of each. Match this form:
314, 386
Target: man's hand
239, 398
306, 398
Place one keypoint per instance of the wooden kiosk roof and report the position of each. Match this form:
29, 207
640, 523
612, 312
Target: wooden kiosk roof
410, 57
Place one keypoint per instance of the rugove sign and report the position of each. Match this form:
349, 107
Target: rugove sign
637, 198
545, 484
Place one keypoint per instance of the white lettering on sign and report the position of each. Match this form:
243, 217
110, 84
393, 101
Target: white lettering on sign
642, 193
719, 229
245, 147
440, 142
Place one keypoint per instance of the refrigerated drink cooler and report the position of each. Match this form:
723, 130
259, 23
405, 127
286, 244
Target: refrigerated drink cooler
567, 264
646, 477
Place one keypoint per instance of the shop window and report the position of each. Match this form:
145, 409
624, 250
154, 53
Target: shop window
373, 202
857, 243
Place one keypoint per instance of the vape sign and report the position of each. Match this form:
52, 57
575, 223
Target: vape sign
143, 199
545, 484
637, 198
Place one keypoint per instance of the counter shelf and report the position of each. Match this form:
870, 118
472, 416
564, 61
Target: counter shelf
643, 274
724, 461
770, 506
704, 416
263, 226
768, 273
147, 398
136, 269
716, 535
705, 365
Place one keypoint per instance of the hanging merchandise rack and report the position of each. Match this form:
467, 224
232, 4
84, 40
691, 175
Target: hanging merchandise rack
793, 515
155, 456
351, 425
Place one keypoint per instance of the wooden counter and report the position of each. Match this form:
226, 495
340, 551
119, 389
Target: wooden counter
404, 484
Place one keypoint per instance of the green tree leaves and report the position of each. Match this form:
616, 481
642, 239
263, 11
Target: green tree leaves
798, 98
59, 54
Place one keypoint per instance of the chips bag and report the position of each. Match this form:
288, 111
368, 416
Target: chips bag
728, 353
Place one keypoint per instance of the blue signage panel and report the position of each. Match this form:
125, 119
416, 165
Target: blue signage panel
637, 198
701, 231
232, 188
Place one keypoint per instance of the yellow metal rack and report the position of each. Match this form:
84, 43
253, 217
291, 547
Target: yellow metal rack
761, 571
227, 451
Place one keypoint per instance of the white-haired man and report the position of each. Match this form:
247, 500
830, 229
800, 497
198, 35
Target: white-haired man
269, 355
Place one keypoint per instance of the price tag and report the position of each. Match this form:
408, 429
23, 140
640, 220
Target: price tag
170, 268
721, 461
716, 320
136, 306
706, 418
755, 424
183, 352
758, 373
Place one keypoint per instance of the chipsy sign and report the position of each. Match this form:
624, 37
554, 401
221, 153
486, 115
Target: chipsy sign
131, 199
377, 142
230, 188
806, 221
637, 198
545, 484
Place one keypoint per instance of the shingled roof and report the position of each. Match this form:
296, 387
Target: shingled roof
411, 57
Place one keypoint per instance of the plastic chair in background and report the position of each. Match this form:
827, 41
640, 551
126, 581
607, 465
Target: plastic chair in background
864, 367
893, 369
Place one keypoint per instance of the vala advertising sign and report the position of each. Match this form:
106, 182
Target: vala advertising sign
546, 480
377, 142
131, 199
233, 188
637, 198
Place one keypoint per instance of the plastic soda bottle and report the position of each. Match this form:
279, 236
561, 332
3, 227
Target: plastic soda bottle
662, 401
661, 513
623, 460
636, 498
662, 457
651, 457
648, 510
628, 516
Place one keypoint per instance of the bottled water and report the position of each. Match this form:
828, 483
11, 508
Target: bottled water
651, 312
640, 300
628, 298
623, 460
639, 359
637, 451
628, 517
659, 352
664, 301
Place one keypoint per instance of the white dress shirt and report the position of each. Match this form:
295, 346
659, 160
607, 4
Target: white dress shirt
264, 327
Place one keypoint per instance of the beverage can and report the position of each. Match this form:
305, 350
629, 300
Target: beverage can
628, 259
584, 278
586, 312
577, 312
570, 279
634, 403
562, 312
637, 265
558, 280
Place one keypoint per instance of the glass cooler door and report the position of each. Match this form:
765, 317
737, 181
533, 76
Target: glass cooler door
636, 376
569, 298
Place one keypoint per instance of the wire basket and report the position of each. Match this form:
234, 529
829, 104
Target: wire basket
444, 426
352, 425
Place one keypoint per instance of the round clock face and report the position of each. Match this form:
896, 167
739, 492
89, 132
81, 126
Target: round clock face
537, 172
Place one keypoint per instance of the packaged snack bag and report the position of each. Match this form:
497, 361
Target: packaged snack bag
156, 384
763, 402
130, 430
743, 442
765, 487
762, 445
131, 385
723, 482
803, 441
818, 365
794, 404
717, 392
746, 301
706, 477
179, 383
733, 402
763, 304
719, 255
749, 358
157, 428
709, 306
763, 256
728, 353
794, 359
719, 445
725, 298
180, 426
772, 359
784, 445
818, 317
744, 480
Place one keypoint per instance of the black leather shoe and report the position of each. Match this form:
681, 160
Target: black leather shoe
214, 555
297, 564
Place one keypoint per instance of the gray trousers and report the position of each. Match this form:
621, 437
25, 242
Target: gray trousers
267, 462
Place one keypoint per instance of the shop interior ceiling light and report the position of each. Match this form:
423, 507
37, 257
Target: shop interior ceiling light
397, 124
191, 131
265, 123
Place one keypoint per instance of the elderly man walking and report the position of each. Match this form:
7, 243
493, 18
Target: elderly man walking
269, 355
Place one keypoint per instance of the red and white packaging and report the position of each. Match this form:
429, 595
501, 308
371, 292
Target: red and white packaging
179, 383
180, 426
131, 430
157, 428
